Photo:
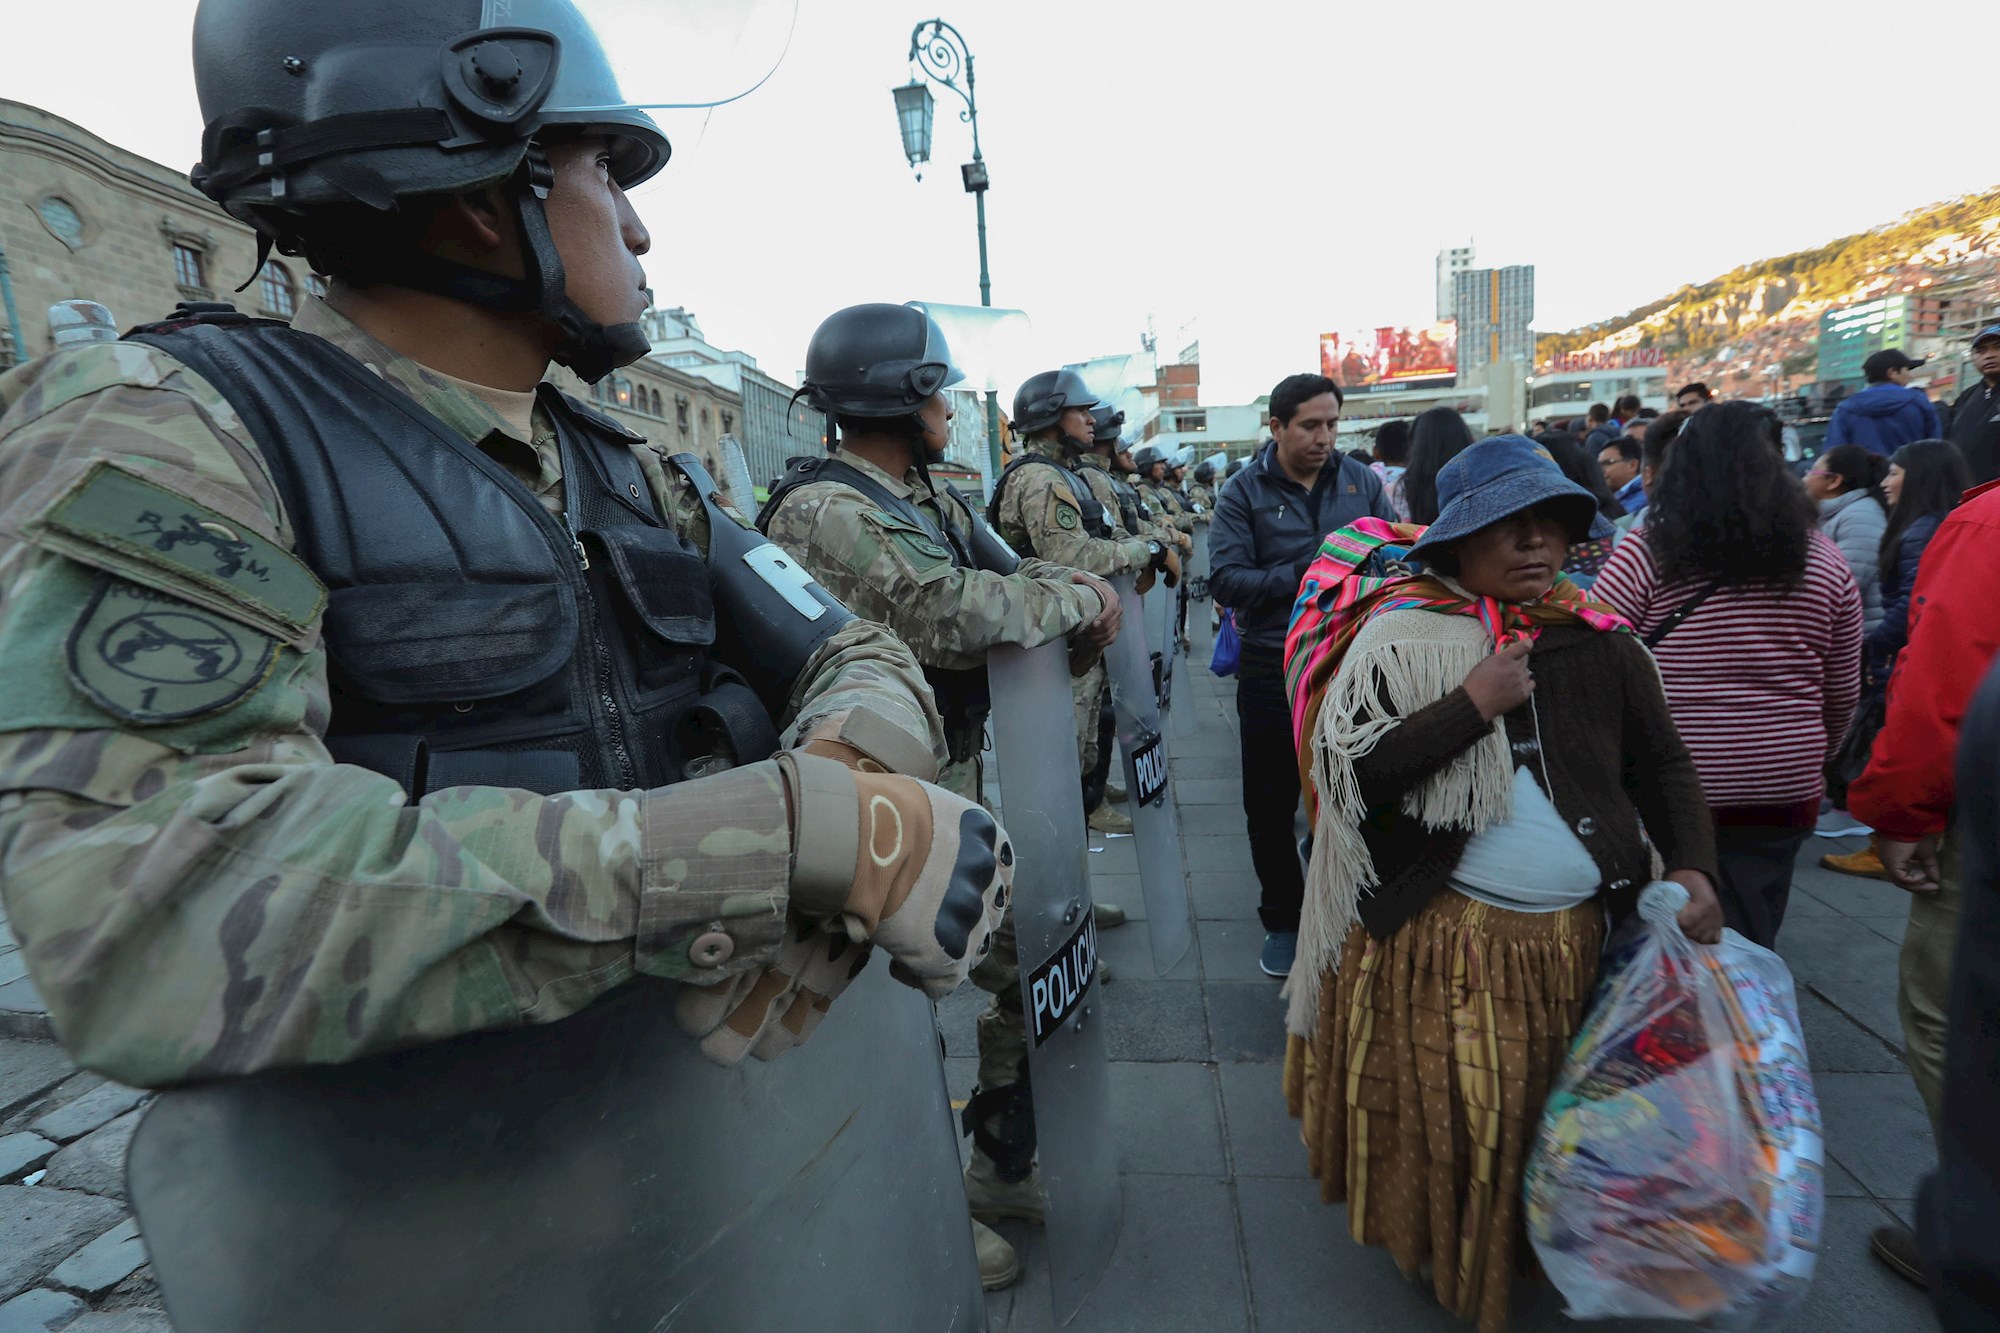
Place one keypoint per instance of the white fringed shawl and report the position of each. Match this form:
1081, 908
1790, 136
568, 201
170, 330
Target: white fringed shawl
1409, 659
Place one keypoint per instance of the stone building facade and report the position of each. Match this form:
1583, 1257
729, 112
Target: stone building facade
81, 218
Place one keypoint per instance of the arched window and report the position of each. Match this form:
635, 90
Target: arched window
316, 285
621, 389
656, 403
276, 291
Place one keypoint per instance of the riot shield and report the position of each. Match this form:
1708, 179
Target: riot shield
1197, 569
735, 477
1162, 873
1159, 604
1034, 741
596, 1173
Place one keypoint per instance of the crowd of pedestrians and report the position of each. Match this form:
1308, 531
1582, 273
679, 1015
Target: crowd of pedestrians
1514, 680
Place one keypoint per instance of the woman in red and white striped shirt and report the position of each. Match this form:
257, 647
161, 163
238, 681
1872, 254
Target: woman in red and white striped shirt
1762, 650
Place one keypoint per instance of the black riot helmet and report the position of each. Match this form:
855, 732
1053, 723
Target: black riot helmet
879, 363
360, 106
1204, 473
1107, 425
1148, 456
1040, 402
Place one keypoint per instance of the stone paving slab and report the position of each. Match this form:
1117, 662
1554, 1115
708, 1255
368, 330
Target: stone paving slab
40, 1228
39, 1310
104, 1263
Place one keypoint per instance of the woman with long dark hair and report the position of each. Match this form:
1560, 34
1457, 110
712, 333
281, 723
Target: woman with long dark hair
1925, 482
1436, 437
1846, 484
1756, 624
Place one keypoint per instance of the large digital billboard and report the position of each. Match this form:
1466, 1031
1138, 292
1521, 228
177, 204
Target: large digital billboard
1389, 357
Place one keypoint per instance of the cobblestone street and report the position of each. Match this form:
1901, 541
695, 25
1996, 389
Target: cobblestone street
1223, 1230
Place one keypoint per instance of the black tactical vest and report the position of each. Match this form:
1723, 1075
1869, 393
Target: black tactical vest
1129, 504
963, 697
474, 638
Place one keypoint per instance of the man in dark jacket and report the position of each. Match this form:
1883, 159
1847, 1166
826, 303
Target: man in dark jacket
1888, 414
1975, 417
1268, 526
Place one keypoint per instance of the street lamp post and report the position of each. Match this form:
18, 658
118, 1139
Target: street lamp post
940, 52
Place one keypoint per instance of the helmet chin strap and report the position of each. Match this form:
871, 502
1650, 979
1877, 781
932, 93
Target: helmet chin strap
590, 349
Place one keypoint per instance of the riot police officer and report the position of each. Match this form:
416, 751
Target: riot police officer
872, 526
401, 693
1044, 505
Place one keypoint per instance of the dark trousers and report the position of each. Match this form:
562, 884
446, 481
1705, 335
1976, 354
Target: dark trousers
1099, 777
1270, 785
1756, 866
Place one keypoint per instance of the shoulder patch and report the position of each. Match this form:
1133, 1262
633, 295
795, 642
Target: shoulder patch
1066, 515
144, 526
150, 658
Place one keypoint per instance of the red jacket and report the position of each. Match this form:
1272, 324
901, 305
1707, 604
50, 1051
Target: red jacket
1954, 636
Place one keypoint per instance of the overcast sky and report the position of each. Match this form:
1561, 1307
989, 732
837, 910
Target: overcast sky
1265, 173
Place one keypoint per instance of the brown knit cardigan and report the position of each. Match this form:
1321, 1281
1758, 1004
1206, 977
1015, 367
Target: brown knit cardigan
1613, 757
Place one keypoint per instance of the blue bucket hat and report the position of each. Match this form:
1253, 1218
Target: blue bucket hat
1499, 477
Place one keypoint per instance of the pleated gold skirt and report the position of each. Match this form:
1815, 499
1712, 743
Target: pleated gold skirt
1420, 1095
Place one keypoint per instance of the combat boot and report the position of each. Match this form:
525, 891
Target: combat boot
992, 1198
1108, 819
1115, 793
998, 1267
1109, 916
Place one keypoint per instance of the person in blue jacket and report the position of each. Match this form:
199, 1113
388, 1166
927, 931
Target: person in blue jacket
1888, 414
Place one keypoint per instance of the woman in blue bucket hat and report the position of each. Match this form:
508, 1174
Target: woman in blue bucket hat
1484, 742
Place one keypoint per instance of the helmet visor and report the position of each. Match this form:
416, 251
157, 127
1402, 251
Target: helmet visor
625, 57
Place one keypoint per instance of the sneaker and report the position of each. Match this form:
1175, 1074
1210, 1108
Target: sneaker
1840, 824
1280, 948
1110, 819
1109, 916
1896, 1247
1864, 863
992, 1198
998, 1267
1114, 793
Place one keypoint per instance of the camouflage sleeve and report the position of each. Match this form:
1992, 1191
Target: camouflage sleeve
886, 569
198, 889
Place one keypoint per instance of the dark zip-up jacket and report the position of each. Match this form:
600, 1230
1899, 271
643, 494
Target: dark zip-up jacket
1267, 530
1975, 429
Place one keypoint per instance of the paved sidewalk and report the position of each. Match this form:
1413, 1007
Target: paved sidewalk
1223, 1228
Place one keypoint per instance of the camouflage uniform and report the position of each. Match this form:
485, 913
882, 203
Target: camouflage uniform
1038, 513
1167, 503
1202, 496
885, 568
198, 889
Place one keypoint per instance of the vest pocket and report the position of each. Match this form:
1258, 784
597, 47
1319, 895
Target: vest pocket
404, 643
665, 582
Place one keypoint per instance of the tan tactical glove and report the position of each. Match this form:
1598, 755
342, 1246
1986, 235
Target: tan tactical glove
1172, 571
1143, 583
767, 1013
919, 871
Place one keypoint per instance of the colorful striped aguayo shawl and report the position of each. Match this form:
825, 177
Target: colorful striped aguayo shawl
1337, 598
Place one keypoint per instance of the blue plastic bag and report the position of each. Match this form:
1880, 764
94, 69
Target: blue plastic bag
1228, 647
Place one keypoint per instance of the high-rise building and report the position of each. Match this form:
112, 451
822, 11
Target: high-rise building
1495, 309
1451, 263
1850, 334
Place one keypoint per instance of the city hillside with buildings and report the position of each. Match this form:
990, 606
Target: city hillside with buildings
1787, 324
